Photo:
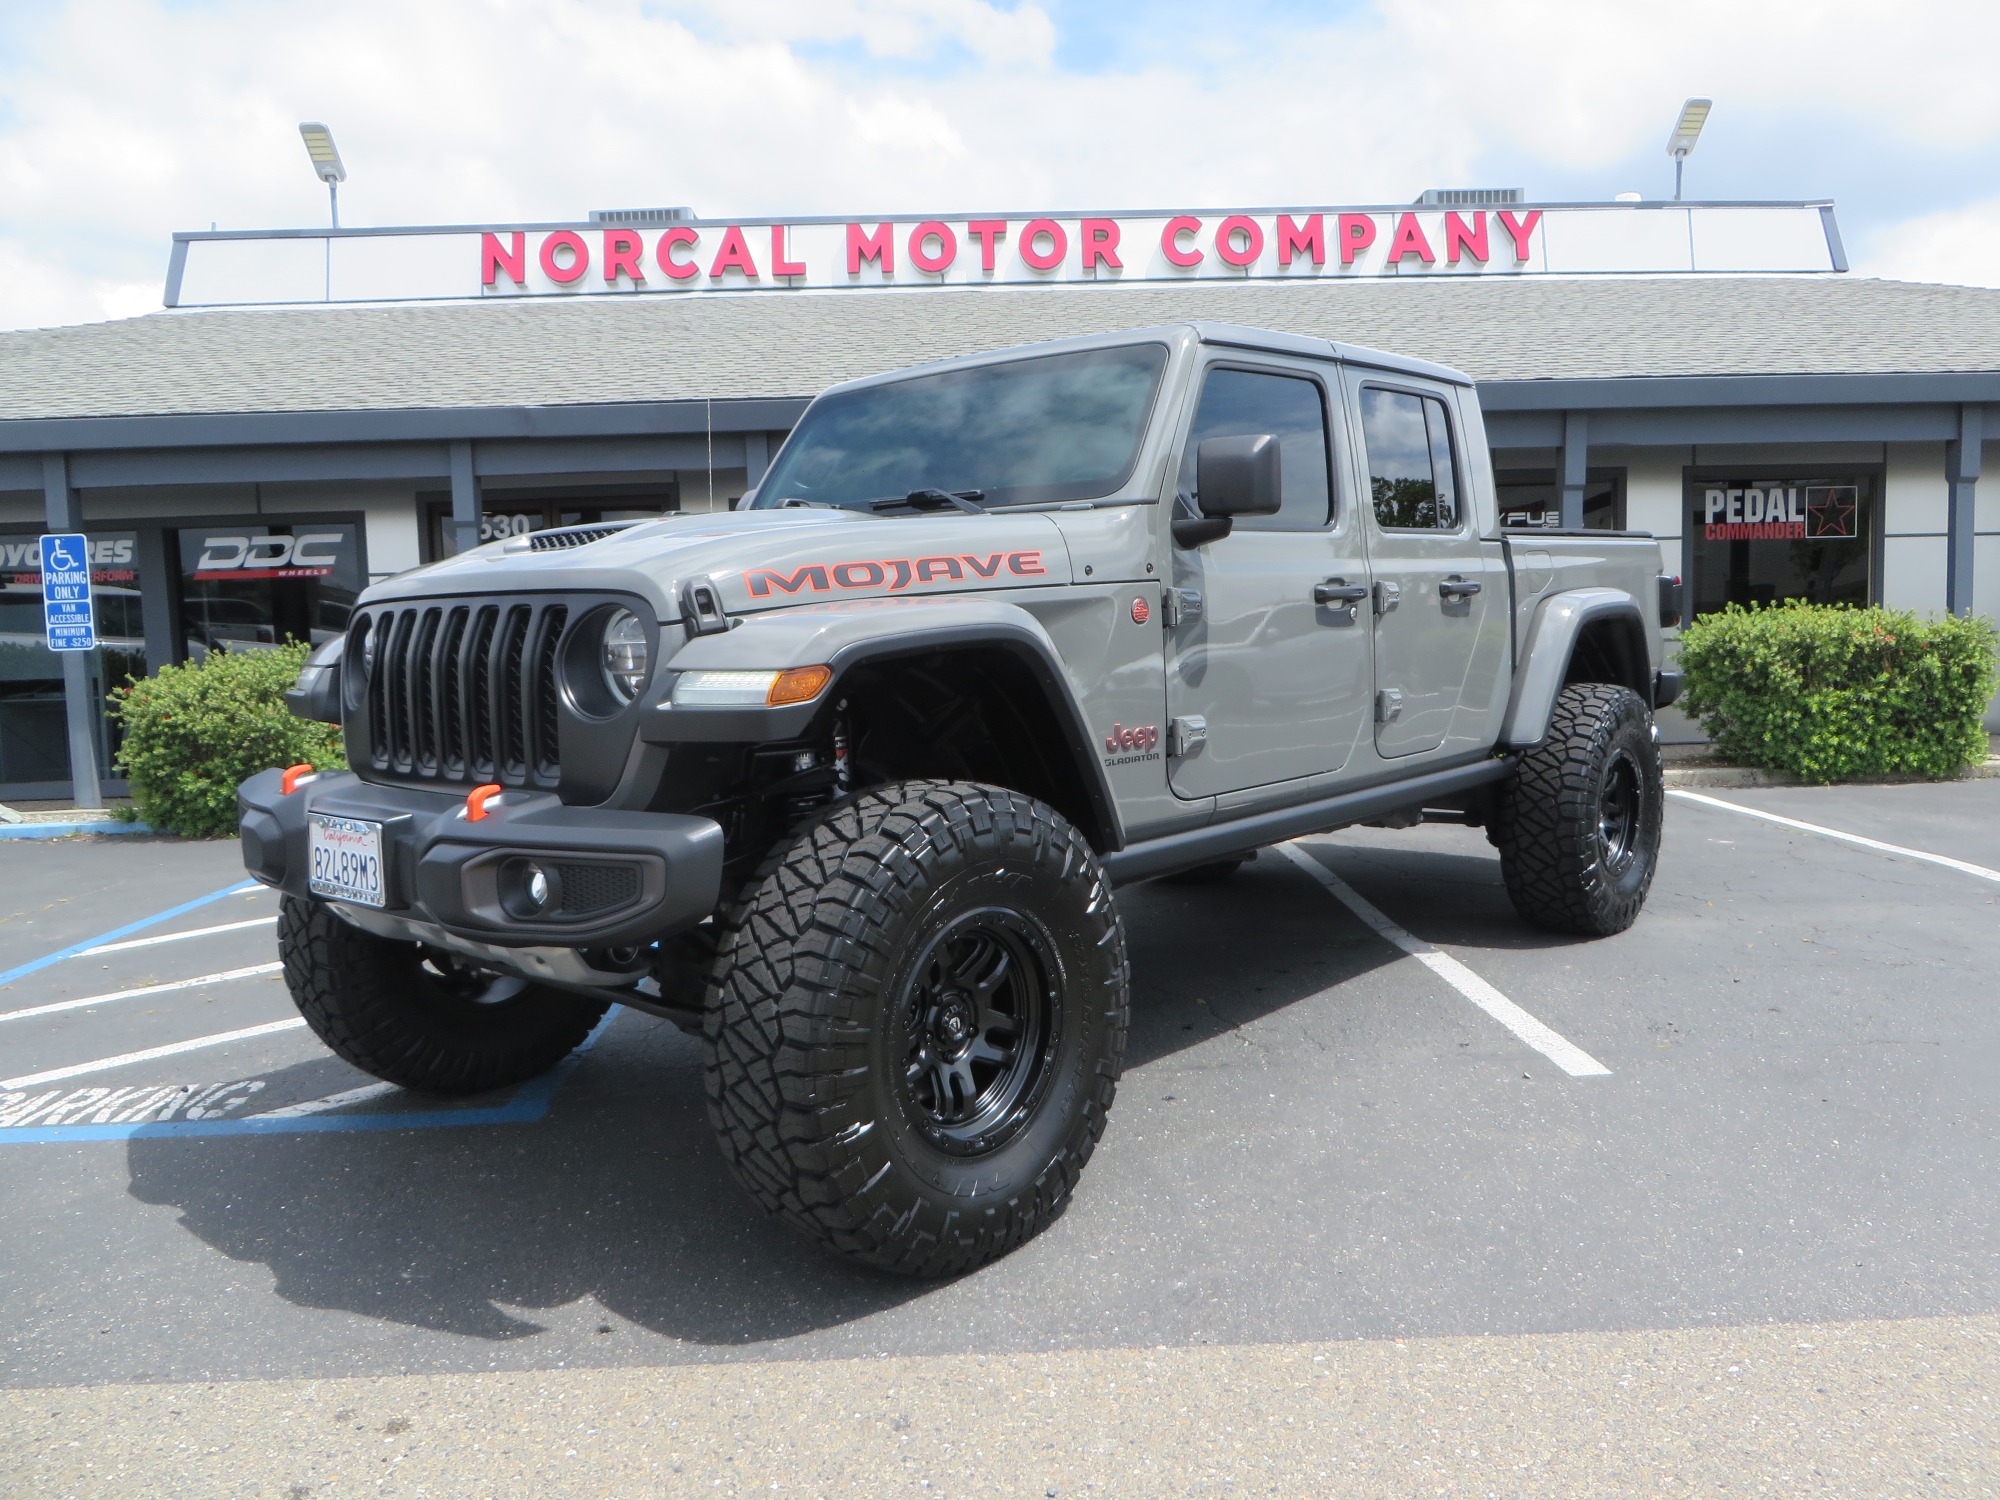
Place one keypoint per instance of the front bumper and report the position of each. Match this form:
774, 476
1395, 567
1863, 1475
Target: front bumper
622, 878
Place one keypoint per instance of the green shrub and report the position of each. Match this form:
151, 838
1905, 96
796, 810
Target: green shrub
1833, 694
193, 732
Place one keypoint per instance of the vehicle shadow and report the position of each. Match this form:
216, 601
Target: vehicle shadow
619, 1193
1452, 899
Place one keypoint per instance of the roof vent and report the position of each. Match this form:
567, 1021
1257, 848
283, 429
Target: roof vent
640, 215
1467, 197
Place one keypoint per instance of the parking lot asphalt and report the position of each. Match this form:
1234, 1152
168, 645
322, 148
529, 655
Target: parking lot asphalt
1321, 1147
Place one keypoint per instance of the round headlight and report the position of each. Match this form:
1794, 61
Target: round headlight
368, 632
626, 657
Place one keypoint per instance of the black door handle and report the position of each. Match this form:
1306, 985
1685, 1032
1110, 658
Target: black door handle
1455, 588
1339, 591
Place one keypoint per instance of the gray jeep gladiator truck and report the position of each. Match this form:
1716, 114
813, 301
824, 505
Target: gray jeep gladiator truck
844, 779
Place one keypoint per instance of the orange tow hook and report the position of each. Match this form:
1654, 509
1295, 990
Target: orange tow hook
476, 800
289, 782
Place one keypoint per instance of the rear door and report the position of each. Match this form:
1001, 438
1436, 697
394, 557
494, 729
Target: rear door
1275, 680
1433, 594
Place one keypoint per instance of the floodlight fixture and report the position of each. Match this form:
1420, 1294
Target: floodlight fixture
326, 161
1687, 130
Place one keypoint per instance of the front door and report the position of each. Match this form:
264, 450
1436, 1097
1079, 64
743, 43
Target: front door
1433, 592
1277, 682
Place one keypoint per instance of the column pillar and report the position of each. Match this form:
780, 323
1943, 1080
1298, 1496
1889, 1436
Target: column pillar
64, 514
465, 500
1575, 467
1961, 472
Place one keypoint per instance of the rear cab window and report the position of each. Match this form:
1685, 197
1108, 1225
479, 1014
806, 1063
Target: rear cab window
1412, 461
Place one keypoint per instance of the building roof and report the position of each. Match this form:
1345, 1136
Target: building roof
603, 349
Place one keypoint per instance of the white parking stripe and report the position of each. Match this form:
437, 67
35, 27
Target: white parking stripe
1564, 1053
1962, 866
105, 1064
145, 989
175, 937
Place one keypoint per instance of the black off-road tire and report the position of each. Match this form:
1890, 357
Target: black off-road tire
1578, 828
827, 1012
416, 1019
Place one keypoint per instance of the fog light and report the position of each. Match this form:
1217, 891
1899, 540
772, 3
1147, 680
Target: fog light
529, 890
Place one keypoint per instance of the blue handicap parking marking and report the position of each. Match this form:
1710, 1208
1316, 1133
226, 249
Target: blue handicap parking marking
34, 966
181, 1112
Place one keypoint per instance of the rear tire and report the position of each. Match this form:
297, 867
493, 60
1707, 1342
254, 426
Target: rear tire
418, 1018
1578, 828
915, 1025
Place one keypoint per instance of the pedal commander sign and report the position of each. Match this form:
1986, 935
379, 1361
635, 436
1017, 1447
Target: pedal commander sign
1779, 512
737, 255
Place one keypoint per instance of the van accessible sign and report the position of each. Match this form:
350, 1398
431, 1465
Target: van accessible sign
67, 619
820, 254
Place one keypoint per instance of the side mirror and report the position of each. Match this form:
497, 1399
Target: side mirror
1234, 476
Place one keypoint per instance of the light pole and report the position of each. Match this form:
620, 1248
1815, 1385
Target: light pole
1687, 130
326, 162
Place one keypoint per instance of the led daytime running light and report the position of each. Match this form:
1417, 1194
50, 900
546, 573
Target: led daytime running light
744, 689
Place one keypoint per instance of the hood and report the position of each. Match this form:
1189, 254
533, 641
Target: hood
764, 559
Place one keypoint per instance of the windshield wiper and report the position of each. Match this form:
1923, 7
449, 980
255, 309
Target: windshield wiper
965, 500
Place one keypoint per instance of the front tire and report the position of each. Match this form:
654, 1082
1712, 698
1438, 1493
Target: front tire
915, 1025
419, 1018
1579, 827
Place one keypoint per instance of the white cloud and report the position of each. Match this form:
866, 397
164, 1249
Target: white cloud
1960, 246
128, 119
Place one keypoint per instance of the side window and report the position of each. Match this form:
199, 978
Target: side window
1412, 469
1292, 409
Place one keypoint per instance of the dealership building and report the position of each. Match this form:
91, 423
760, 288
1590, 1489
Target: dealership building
318, 409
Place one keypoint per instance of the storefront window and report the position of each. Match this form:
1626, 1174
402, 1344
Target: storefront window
1530, 498
1760, 539
34, 733
248, 588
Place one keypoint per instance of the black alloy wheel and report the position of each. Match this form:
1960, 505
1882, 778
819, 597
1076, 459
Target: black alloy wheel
980, 1015
1618, 814
915, 1023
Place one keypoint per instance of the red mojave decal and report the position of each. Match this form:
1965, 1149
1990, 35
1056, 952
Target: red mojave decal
892, 573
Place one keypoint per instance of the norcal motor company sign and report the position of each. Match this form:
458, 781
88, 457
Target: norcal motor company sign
972, 251
247, 267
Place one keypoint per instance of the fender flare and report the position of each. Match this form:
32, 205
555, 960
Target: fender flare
845, 636
1559, 623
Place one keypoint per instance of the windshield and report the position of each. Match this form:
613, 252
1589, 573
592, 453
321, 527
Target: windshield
1055, 427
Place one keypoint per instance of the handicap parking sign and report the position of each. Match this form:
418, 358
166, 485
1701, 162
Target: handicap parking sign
66, 611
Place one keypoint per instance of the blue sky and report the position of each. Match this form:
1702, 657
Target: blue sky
123, 120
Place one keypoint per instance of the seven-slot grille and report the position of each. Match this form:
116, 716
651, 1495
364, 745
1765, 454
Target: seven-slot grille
466, 692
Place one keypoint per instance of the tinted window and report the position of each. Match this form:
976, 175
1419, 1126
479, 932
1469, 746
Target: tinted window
1235, 403
1056, 427
1411, 471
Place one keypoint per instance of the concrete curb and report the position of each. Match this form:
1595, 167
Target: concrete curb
1750, 776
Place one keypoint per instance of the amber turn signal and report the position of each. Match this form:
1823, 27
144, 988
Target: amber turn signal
798, 685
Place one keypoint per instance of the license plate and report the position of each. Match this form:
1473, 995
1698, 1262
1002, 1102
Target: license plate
346, 855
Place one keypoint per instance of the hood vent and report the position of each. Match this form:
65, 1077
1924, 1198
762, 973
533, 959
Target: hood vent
562, 538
